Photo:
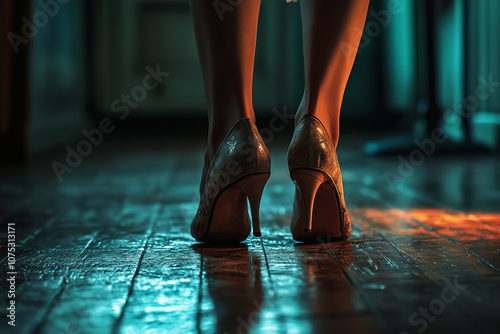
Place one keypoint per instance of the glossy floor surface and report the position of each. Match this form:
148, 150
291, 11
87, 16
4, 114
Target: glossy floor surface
108, 249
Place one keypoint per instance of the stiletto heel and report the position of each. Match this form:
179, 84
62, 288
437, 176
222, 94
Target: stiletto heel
319, 210
239, 170
308, 183
253, 187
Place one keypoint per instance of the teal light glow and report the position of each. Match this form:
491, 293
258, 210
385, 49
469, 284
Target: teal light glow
451, 63
400, 57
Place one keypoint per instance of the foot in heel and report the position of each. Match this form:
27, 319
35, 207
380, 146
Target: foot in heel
319, 204
223, 212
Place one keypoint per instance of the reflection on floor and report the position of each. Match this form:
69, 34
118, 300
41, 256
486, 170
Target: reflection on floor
108, 249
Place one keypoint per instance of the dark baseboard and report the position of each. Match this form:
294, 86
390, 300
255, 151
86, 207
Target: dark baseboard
199, 124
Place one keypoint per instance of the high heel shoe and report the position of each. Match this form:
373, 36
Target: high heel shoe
239, 170
319, 210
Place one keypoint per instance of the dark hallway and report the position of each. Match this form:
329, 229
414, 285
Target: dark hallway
103, 132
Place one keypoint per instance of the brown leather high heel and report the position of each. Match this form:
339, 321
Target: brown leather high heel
319, 210
239, 170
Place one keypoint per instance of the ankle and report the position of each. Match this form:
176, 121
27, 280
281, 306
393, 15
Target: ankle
219, 128
328, 119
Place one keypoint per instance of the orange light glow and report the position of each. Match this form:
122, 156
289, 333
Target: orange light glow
430, 223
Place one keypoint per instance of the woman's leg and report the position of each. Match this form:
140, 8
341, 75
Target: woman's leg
226, 47
331, 29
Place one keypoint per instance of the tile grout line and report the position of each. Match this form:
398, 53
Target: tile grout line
199, 314
267, 263
411, 262
412, 194
483, 260
38, 328
274, 297
150, 231
62, 288
372, 309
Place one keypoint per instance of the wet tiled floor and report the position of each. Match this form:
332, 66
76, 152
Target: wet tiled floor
108, 249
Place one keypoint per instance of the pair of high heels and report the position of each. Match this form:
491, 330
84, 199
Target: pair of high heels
240, 169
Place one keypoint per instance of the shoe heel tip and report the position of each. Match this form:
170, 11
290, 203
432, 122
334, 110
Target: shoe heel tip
307, 230
257, 234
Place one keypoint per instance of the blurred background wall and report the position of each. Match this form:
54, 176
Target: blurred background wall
60, 98
86, 54
130, 35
